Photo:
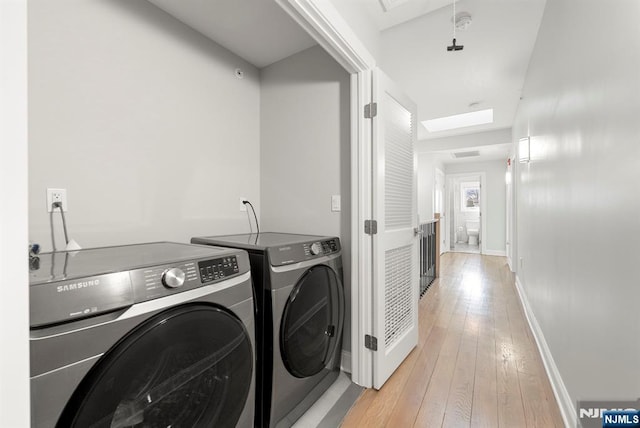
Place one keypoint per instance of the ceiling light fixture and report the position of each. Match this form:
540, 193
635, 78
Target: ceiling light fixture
456, 121
453, 46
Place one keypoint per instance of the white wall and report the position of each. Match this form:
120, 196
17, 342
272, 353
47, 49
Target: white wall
305, 157
577, 198
14, 304
427, 164
494, 237
142, 120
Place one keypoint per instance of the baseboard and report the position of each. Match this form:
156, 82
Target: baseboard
345, 362
567, 409
501, 253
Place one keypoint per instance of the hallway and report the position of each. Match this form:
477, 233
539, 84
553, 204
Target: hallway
476, 363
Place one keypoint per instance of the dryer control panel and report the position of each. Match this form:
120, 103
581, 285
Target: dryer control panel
296, 253
321, 248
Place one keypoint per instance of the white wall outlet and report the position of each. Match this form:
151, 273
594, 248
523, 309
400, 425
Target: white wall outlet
335, 203
56, 195
243, 206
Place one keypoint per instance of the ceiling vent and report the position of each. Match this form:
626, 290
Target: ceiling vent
460, 155
387, 5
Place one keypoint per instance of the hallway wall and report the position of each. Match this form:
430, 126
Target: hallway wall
427, 164
577, 204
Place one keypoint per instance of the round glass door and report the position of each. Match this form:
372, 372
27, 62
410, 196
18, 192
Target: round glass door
312, 322
190, 366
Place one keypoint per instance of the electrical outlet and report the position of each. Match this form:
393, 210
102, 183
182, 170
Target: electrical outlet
56, 195
243, 207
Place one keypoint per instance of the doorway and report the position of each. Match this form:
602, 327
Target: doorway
465, 224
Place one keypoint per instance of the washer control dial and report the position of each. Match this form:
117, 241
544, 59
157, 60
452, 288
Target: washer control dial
173, 278
316, 248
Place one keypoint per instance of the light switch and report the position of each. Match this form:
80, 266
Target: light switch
335, 203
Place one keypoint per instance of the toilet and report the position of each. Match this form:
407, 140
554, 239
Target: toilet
473, 230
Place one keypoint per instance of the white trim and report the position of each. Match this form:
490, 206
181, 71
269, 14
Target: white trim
325, 24
501, 253
361, 247
345, 362
14, 230
565, 403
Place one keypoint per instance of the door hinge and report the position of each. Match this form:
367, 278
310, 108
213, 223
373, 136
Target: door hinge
370, 342
370, 110
370, 227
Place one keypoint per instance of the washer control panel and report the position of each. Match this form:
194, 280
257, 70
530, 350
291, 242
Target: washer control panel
158, 281
211, 270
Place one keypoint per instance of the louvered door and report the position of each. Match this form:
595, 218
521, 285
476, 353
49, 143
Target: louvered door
395, 252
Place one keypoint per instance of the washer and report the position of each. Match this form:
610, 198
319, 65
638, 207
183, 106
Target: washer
158, 334
300, 300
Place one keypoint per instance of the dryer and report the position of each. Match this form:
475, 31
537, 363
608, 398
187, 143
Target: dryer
300, 300
158, 334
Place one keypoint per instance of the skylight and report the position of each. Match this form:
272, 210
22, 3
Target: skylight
463, 120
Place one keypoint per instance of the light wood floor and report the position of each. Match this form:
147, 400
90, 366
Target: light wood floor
476, 363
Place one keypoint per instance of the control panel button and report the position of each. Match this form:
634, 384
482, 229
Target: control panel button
173, 278
316, 248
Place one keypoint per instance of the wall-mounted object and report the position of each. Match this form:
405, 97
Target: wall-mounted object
524, 149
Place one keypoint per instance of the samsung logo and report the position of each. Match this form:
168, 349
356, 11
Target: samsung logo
77, 285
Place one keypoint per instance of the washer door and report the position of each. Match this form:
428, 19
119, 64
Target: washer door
190, 366
312, 322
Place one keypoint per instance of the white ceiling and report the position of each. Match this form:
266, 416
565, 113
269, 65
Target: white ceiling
413, 38
489, 71
258, 31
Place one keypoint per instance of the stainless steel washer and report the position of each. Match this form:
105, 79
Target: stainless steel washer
298, 280
158, 334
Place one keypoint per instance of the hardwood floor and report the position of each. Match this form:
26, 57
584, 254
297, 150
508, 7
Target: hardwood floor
476, 363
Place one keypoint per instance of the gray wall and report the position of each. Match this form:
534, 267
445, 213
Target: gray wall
577, 206
305, 156
142, 120
495, 205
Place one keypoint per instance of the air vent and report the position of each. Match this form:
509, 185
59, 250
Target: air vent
387, 5
460, 155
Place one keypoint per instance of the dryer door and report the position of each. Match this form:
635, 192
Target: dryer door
311, 327
189, 366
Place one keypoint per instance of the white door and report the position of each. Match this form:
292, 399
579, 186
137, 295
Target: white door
395, 248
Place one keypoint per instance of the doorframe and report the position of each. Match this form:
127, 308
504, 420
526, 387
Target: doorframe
483, 205
15, 407
325, 24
